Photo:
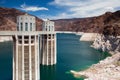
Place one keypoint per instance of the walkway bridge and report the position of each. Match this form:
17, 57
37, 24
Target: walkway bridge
12, 33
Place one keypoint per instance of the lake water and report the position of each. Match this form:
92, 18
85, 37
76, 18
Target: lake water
72, 54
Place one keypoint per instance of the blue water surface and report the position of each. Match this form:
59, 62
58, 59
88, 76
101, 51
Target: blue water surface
72, 54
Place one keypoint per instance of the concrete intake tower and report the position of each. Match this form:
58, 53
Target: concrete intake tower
32, 47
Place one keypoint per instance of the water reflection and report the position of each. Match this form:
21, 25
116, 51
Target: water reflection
48, 72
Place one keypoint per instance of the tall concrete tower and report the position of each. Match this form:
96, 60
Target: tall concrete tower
26, 50
48, 51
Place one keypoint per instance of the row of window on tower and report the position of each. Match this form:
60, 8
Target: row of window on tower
25, 18
28, 26
49, 28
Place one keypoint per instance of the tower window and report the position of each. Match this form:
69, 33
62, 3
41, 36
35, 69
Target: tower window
49, 36
26, 37
32, 37
20, 42
18, 26
30, 26
21, 26
26, 42
26, 26
49, 28
19, 37
53, 36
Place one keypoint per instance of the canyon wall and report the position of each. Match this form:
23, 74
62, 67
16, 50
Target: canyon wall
107, 43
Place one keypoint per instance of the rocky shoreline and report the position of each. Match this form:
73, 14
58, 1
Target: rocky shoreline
88, 36
107, 69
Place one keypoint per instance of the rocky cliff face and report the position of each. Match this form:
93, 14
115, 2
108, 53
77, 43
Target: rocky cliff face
108, 23
8, 19
107, 43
